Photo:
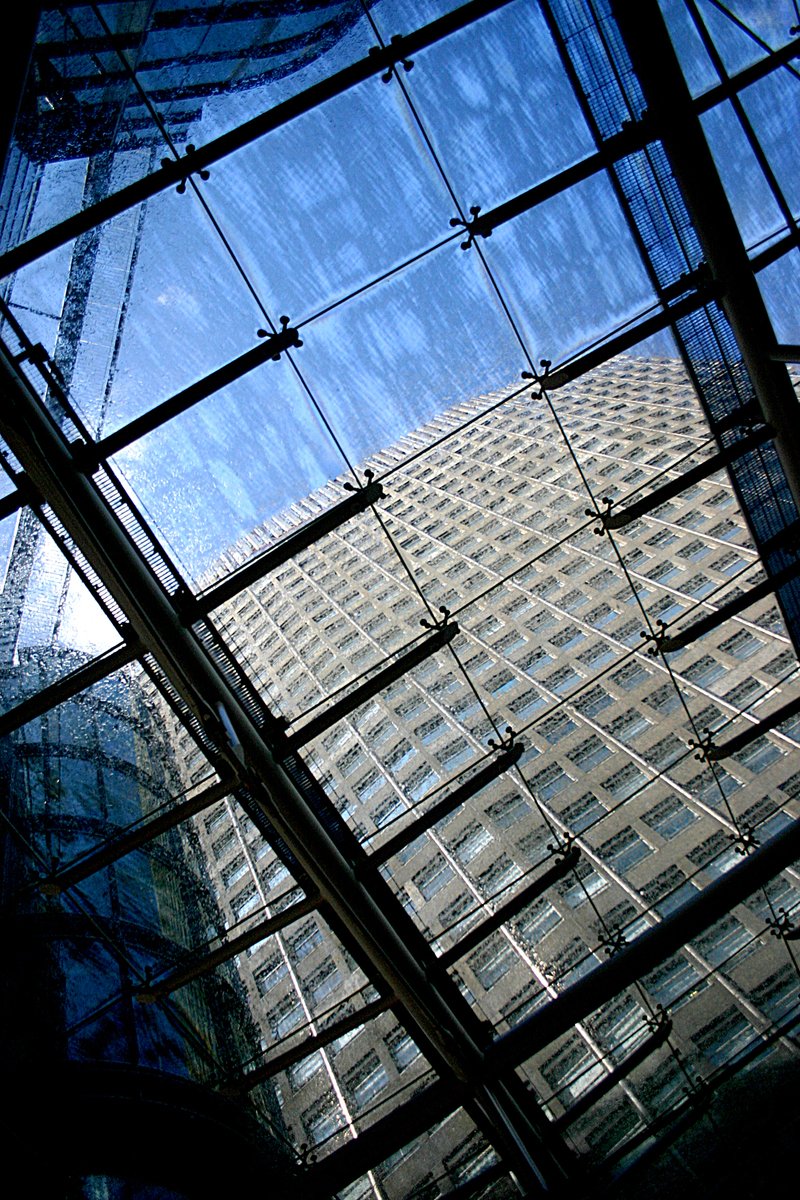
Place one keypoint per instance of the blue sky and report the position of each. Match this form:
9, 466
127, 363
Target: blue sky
328, 204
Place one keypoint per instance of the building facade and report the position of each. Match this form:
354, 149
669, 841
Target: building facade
609, 796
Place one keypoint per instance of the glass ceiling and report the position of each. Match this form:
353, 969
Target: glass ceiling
403, 465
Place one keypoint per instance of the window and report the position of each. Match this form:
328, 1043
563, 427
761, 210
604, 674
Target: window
550, 781
300, 1073
322, 1119
402, 1049
499, 875
556, 727
674, 982
434, 876
589, 753
723, 940
234, 871
742, 645
537, 921
716, 854
324, 980
366, 1080
572, 1070
668, 891
492, 961
626, 782
247, 900
664, 699
669, 817
470, 842
285, 1016
583, 883
509, 810
704, 671
582, 813
630, 676
723, 1038
624, 850
304, 939
593, 701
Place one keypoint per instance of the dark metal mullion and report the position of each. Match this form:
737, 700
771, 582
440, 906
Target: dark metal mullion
675, 116
96, 452
645, 953
673, 487
68, 686
426, 1108
666, 319
117, 847
741, 113
308, 1045
206, 960
243, 135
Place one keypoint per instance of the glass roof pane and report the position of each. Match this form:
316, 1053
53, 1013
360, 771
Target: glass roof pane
780, 287
773, 106
196, 460
755, 208
311, 211
498, 123
488, 509
144, 85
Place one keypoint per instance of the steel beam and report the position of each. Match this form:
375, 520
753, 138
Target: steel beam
389, 674
116, 848
68, 686
440, 1020
318, 1041
202, 963
511, 908
731, 608
627, 513
628, 965
676, 122
735, 744
470, 787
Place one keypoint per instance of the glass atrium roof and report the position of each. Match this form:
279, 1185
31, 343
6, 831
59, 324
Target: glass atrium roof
401, 414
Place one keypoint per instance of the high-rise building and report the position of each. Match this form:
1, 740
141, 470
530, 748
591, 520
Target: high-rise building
604, 823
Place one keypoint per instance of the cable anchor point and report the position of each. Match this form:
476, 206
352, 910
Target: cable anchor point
473, 228
603, 517
435, 623
385, 53
286, 338
189, 170
704, 746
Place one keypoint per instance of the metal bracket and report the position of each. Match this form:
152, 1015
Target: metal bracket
602, 517
705, 747
286, 338
434, 624
503, 743
783, 927
369, 475
614, 941
744, 841
201, 171
473, 228
385, 53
